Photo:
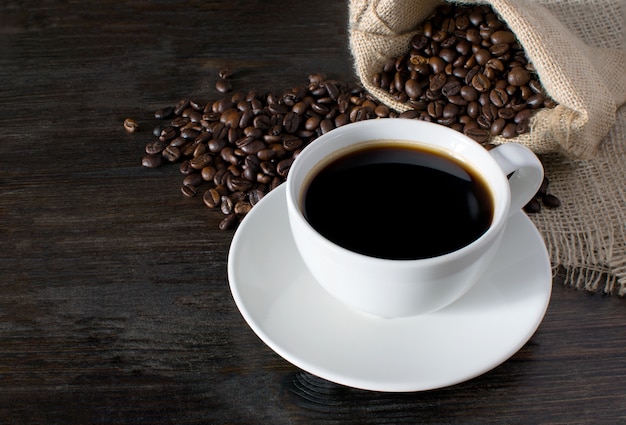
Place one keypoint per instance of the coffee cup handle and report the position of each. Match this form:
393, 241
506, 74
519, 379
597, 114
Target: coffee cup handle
525, 170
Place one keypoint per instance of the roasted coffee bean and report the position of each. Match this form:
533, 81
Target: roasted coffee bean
180, 121
185, 168
450, 111
499, 97
437, 82
152, 161
481, 83
130, 125
155, 147
212, 198
291, 143
201, 161
235, 184
518, 76
478, 134
188, 191
193, 179
522, 127
225, 72
509, 131
242, 208
168, 133
326, 125
535, 86
226, 205
506, 113
208, 173
502, 37
291, 122
413, 89
550, 201
223, 85
171, 153
282, 168
532, 207
499, 50
497, 126
435, 109
255, 196
437, 64
189, 133
469, 93
535, 101
229, 222
451, 88
523, 115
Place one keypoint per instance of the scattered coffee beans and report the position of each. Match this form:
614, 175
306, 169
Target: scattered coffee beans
466, 70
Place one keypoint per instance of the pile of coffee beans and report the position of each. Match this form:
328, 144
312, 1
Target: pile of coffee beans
465, 69
241, 146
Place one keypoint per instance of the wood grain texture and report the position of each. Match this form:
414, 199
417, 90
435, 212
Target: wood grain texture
114, 299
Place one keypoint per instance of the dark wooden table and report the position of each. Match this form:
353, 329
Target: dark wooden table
114, 298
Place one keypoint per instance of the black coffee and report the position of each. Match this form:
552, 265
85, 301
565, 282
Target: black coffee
398, 202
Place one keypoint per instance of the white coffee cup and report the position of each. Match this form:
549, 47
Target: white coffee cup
398, 288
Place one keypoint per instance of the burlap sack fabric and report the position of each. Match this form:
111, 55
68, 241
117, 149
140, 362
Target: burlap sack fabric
578, 48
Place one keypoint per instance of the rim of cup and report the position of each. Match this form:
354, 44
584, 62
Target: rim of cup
498, 186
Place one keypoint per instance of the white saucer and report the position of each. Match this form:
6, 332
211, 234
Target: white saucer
305, 325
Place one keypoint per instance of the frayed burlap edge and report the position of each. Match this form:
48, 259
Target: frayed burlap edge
586, 235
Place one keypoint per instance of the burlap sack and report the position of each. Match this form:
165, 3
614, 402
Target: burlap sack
578, 48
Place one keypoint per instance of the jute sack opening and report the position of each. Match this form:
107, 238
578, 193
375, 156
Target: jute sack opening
578, 48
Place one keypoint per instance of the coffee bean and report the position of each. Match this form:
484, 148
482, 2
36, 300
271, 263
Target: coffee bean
152, 161
130, 125
193, 179
255, 196
497, 126
212, 198
229, 222
509, 131
208, 173
155, 147
180, 106
535, 101
481, 83
226, 205
437, 82
201, 161
413, 89
499, 97
225, 72
532, 207
223, 85
518, 76
282, 168
478, 134
502, 37
188, 191
451, 88
171, 153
